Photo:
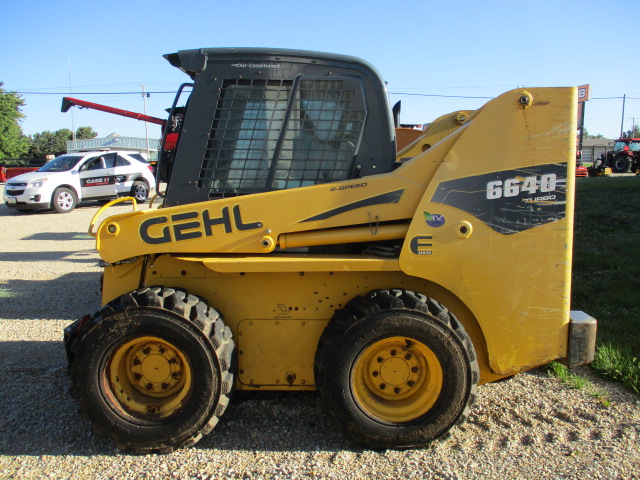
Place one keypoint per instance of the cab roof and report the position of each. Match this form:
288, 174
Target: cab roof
194, 61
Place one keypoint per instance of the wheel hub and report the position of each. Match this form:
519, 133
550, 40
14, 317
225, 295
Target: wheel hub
154, 369
64, 200
398, 374
396, 371
397, 379
140, 193
148, 377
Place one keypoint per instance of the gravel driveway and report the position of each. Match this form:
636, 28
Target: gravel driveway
531, 426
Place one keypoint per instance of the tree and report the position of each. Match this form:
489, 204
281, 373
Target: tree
588, 135
13, 143
55, 143
50, 143
85, 133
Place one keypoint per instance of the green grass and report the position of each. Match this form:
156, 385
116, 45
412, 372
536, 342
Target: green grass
577, 381
606, 271
618, 364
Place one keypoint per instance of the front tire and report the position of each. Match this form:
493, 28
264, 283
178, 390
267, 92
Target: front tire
152, 369
63, 200
396, 369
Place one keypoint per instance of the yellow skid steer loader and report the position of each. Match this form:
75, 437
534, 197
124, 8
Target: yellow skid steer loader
296, 250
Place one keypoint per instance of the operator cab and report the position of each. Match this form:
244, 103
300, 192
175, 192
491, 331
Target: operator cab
259, 120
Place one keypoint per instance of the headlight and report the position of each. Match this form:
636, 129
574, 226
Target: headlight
38, 183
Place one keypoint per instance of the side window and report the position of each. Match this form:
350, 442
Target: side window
96, 163
122, 162
270, 135
109, 160
138, 157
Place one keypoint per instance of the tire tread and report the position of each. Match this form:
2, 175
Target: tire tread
189, 308
356, 312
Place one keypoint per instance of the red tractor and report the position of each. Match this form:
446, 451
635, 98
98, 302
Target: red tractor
624, 157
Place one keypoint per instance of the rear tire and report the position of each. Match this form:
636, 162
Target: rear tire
140, 191
63, 200
621, 164
395, 369
152, 370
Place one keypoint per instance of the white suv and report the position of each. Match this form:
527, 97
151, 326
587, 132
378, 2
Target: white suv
68, 179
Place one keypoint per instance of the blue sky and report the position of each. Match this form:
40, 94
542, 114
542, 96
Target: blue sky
462, 48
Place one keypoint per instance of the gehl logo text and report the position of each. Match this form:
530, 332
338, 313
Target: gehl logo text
190, 225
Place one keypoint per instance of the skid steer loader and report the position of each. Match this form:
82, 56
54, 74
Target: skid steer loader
295, 249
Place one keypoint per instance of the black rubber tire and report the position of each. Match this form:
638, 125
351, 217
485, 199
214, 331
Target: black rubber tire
63, 200
620, 164
386, 314
185, 322
140, 191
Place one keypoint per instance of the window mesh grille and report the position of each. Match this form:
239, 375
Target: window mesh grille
324, 121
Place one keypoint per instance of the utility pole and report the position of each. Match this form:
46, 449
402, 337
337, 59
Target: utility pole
73, 127
146, 125
624, 100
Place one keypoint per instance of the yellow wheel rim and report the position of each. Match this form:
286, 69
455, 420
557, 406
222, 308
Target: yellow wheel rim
148, 378
397, 379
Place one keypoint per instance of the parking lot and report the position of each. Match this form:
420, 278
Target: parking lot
531, 426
